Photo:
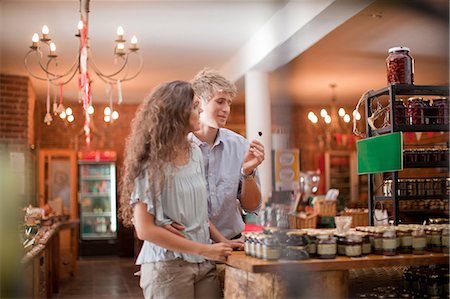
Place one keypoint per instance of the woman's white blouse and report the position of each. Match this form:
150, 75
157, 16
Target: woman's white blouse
182, 200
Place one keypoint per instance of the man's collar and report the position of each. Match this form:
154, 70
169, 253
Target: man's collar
217, 141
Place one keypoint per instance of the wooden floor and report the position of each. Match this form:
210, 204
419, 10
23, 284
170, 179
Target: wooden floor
104, 277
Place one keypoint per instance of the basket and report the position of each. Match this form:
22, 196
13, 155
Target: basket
358, 218
296, 221
324, 207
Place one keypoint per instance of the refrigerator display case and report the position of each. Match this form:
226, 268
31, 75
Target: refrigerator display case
97, 202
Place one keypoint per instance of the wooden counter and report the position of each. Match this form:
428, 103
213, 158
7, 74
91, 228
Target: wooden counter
44, 264
249, 277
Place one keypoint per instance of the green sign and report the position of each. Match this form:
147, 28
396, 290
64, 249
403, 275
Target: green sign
380, 154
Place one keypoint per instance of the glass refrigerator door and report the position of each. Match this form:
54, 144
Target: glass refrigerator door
98, 201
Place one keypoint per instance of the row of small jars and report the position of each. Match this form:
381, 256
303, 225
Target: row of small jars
415, 239
418, 187
425, 155
427, 281
419, 111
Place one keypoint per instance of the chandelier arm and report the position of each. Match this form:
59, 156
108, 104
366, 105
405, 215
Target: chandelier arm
141, 65
74, 71
74, 66
99, 73
25, 62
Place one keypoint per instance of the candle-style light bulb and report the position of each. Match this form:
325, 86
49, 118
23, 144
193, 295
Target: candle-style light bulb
120, 46
45, 29
70, 118
107, 111
134, 40
120, 31
347, 118
34, 41
90, 109
80, 25
35, 38
115, 115
52, 50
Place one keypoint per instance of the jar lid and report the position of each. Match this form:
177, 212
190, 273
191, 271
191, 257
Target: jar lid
401, 48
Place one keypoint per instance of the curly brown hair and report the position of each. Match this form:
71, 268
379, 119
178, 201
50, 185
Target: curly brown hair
158, 136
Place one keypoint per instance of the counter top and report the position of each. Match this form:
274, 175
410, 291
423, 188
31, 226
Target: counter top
250, 264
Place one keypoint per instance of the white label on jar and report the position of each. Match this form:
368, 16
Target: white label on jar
312, 248
247, 248
406, 241
259, 250
445, 241
436, 240
389, 243
378, 243
419, 242
252, 249
353, 250
366, 248
326, 249
271, 253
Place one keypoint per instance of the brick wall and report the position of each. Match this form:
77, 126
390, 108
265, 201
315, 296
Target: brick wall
17, 103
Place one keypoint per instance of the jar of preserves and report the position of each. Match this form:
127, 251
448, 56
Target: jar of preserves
271, 248
436, 239
312, 246
419, 241
366, 246
434, 284
400, 112
353, 245
247, 243
428, 111
258, 245
295, 253
297, 238
405, 237
341, 242
440, 106
253, 244
378, 242
400, 66
389, 242
415, 111
326, 247
445, 240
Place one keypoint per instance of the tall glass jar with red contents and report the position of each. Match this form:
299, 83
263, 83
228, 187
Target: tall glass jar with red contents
400, 66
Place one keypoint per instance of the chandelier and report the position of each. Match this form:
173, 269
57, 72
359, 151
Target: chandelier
43, 49
333, 123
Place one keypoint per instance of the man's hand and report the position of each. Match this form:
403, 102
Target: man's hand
175, 228
253, 157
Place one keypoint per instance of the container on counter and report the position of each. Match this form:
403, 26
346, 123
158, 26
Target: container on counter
366, 245
400, 66
445, 240
259, 239
295, 253
389, 242
419, 241
312, 246
353, 245
297, 238
406, 240
247, 237
326, 246
378, 242
271, 248
436, 239
340, 243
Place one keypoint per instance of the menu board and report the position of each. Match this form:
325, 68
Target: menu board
286, 169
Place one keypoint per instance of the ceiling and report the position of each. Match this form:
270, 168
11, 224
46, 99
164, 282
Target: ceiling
333, 42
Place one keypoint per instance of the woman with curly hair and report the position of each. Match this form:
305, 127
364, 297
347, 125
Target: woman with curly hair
163, 182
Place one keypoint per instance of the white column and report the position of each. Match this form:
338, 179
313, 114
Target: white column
257, 119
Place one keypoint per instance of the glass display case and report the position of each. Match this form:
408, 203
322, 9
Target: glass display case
97, 200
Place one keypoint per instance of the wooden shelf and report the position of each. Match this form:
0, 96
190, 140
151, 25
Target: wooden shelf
250, 264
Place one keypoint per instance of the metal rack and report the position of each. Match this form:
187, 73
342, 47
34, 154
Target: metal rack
393, 91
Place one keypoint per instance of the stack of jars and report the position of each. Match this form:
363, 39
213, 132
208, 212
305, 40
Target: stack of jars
420, 111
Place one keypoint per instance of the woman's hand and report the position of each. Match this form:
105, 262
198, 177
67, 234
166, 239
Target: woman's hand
217, 252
